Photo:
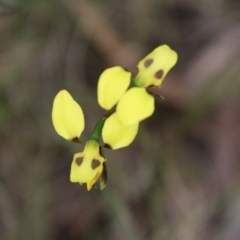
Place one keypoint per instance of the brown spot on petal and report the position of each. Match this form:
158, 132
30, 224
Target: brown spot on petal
106, 145
151, 86
95, 163
79, 161
148, 62
100, 151
159, 74
104, 174
76, 140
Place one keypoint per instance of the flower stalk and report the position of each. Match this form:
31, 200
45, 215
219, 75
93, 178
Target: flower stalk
97, 131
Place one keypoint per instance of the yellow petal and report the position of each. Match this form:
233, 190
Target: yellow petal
135, 105
154, 67
87, 164
112, 84
116, 135
67, 116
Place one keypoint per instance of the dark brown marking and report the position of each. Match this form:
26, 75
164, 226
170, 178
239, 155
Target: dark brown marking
104, 174
159, 74
100, 151
76, 140
106, 145
95, 163
79, 161
148, 63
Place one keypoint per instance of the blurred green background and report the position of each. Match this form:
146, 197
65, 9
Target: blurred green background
180, 178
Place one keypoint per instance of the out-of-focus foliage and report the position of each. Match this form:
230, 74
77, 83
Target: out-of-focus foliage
179, 179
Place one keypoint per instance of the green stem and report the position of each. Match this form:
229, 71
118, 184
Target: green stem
97, 131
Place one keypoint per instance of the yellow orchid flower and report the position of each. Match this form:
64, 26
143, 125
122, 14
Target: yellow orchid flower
112, 84
155, 66
67, 116
117, 136
120, 128
87, 166
135, 105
